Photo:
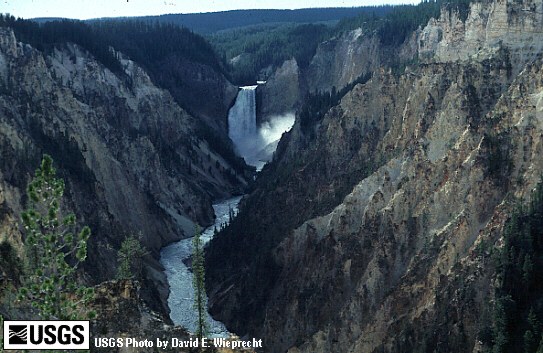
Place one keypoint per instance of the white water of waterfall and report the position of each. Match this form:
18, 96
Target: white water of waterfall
255, 144
242, 125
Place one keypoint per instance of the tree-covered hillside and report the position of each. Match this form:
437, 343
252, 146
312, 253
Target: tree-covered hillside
48, 35
147, 44
252, 51
207, 23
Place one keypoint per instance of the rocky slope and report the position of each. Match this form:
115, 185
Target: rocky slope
282, 92
343, 59
128, 153
373, 228
199, 88
337, 63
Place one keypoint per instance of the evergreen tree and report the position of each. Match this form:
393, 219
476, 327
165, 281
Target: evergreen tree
130, 257
198, 272
53, 252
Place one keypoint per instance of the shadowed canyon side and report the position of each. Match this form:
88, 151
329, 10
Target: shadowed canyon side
373, 228
132, 159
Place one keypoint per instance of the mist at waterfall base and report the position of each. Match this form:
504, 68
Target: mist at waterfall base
267, 138
255, 144
257, 148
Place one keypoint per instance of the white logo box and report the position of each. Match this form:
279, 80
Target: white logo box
47, 335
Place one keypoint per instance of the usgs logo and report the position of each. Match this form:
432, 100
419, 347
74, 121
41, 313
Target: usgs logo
46, 335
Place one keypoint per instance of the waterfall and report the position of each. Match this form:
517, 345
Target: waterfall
255, 144
242, 125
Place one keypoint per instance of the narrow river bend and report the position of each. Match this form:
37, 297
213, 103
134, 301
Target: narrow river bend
181, 299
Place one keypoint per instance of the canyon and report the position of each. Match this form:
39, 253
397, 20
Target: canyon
371, 224
129, 154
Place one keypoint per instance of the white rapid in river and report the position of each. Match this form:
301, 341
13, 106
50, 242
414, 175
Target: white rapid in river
181, 299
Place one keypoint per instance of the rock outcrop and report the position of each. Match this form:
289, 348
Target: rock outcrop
337, 63
116, 299
282, 92
490, 26
372, 229
342, 60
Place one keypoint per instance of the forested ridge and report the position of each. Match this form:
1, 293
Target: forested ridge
145, 43
246, 45
45, 37
149, 43
207, 23
393, 23
251, 52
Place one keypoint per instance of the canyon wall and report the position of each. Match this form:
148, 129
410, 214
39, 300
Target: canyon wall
373, 229
129, 155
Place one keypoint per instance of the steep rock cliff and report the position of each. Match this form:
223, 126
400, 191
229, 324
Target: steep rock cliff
127, 151
372, 230
343, 59
490, 26
282, 92
337, 63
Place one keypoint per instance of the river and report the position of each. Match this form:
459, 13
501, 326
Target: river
256, 145
181, 299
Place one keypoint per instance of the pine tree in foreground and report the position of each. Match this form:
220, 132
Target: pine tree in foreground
53, 252
198, 273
